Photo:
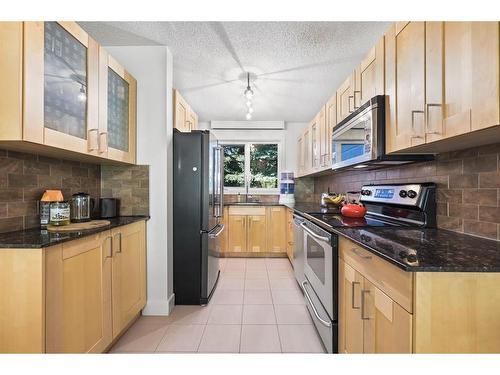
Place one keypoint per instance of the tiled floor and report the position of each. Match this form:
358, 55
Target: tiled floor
257, 308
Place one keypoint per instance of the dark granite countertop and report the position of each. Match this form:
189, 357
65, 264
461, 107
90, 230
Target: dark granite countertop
420, 249
310, 208
254, 204
38, 238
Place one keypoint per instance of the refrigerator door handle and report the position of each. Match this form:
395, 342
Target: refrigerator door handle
221, 178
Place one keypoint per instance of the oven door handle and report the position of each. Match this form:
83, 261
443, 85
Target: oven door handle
318, 237
321, 320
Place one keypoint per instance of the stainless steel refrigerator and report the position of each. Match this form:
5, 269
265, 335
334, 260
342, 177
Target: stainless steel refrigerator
198, 200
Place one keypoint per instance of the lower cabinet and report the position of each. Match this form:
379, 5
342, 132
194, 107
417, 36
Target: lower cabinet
372, 321
76, 297
256, 230
129, 274
384, 309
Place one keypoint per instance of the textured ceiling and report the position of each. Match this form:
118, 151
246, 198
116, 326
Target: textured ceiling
295, 66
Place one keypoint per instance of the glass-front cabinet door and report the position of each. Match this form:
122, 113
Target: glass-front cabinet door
61, 86
117, 110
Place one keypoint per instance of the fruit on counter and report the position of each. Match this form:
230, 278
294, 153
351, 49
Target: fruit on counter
336, 200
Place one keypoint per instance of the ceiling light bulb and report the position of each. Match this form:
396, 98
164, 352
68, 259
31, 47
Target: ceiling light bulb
249, 103
250, 110
249, 93
248, 116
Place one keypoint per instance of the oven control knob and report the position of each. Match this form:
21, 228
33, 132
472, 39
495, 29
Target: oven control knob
412, 194
403, 194
366, 192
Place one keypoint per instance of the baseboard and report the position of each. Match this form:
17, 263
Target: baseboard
158, 307
253, 255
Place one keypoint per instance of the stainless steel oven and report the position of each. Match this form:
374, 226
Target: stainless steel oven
320, 285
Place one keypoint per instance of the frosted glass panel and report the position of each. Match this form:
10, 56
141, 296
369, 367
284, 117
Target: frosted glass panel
117, 111
65, 82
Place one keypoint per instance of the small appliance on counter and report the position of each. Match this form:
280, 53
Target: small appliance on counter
287, 188
352, 207
108, 207
81, 207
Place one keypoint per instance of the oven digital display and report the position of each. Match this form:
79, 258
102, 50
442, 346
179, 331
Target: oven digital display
384, 193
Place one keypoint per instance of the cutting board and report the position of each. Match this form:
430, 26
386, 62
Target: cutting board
77, 227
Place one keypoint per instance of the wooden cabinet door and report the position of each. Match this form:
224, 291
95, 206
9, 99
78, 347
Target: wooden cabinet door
350, 294
60, 86
129, 274
387, 327
471, 76
276, 229
405, 85
256, 235
289, 234
370, 75
307, 147
237, 234
324, 138
315, 144
117, 111
345, 98
330, 123
192, 120
300, 156
78, 296
181, 113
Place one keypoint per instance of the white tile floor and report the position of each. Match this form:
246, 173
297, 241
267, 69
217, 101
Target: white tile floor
257, 308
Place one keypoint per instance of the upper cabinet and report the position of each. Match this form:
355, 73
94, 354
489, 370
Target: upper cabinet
117, 110
53, 75
345, 98
442, 81
369, 81
185, 119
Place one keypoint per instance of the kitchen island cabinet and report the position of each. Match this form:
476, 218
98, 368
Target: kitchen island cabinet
74, 297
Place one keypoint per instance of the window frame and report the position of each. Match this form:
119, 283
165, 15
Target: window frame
253, 191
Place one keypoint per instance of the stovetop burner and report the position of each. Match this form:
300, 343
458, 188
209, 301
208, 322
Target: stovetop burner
399, 252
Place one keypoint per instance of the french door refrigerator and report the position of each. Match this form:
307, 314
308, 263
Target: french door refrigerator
198, 200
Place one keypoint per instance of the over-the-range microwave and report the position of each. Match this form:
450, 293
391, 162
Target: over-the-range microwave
358, 141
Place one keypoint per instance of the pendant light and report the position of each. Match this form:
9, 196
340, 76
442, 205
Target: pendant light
248, 92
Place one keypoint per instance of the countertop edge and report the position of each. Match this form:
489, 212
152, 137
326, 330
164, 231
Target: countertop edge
115, 223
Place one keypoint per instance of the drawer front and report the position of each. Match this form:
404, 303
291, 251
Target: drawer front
393, 281
246, 210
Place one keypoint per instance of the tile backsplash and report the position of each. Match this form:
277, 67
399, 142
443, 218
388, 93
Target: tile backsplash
24, 178
129, 183
468, 187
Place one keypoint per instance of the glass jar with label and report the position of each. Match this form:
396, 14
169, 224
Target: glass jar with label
59, 213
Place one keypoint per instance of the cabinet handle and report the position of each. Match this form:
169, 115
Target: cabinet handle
110, 247
92, 148
413, 124
119, 243
354, 283
427, 106
105, 142
349, 103
363, 293
354, 99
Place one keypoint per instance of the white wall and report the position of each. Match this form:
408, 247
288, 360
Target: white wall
152, 67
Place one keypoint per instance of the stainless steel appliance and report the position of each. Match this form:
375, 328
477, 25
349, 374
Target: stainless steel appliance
358, 141
198, 206
320, 285
395, 206
298, 248
108, 207
81, 206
